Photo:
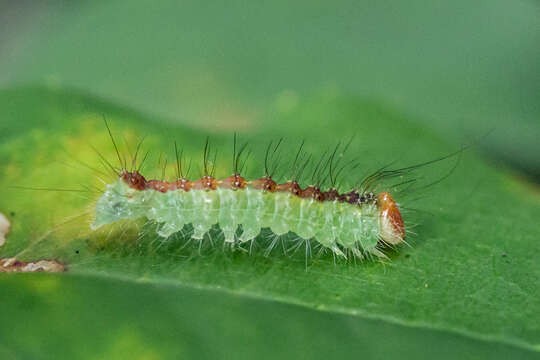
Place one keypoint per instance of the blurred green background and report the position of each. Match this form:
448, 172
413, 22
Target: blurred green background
413, 80
457, 67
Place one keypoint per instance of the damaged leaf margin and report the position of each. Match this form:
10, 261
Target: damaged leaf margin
13, 265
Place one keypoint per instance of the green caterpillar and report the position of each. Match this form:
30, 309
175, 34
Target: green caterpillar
354, 221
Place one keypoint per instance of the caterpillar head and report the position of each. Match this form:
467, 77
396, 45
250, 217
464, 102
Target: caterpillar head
392, 228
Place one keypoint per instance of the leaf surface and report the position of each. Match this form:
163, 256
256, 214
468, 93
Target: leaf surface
470, 278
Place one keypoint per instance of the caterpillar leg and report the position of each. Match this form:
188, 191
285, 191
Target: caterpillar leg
229, 235
167, 229
199, 231
336, 250
249, 233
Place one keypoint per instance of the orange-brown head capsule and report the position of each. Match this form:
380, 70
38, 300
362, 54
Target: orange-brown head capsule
392, 228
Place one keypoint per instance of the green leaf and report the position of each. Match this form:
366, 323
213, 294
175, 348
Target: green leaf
466, 288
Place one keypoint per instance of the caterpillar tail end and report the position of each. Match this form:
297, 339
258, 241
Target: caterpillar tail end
391, 222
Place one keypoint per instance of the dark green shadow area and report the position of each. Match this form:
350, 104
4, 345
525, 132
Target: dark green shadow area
87, 318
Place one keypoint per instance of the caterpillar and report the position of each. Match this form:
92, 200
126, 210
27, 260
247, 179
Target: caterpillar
358, 221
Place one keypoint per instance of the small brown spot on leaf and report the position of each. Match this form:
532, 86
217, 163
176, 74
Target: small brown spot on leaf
14, 265
5, 225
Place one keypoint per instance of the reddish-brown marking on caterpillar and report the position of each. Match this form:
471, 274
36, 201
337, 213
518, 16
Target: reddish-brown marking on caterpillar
233, 182
265, 184
207, 182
